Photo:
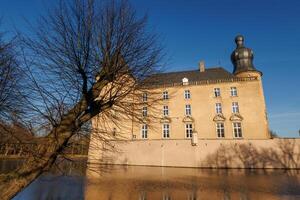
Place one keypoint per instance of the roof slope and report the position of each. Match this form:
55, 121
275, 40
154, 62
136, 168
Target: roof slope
218, 73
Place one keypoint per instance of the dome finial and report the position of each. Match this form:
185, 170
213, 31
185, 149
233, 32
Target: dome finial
239, 40
242, 57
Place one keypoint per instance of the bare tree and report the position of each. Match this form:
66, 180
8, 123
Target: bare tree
85, 59
9, 76
10, 96
273, 134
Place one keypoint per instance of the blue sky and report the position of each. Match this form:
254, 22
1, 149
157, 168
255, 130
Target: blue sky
205, 29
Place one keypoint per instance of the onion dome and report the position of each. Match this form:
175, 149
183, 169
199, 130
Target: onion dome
242, 57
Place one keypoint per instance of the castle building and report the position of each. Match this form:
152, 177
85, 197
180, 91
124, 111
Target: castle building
206, 103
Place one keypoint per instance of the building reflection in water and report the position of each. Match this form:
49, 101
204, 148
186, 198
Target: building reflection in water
154, 183
166, 196
143, 196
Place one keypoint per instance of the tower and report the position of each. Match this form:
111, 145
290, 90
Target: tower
242, 59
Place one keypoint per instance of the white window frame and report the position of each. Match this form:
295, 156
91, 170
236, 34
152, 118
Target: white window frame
217, 92
187, 94
188, 130
218, 108
165, 95
165, 130
233, 91
188, 110
145, 97
237, 130
144, 111
235, 107
220, 129
144, 131
165, 110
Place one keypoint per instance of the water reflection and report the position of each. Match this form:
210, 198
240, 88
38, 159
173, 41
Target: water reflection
144, 183
153, 183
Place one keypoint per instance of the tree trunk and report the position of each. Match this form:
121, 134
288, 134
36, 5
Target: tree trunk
11, 184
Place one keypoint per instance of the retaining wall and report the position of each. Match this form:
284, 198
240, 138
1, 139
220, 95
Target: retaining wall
269, 153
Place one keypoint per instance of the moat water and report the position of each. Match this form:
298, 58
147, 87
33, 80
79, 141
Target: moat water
73, 181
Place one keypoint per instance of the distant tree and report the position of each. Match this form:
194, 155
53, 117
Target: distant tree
9, 77
84, 59
14, 133
11, 128
273, 134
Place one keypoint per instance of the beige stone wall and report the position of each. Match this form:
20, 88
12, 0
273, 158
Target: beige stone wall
177, 150
264, 153
251, 105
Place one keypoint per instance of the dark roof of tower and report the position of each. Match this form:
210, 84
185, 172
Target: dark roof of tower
242, 57
217, 73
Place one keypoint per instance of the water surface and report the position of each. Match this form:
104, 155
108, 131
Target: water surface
151, 183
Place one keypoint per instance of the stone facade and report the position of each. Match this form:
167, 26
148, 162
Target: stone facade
204, 117
203, 104
194, 106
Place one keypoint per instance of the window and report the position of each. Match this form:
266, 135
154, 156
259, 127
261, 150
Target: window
218, 108
144, 111
114, 132
165, 95
188, 110
189, 130
217, 92
187, 94
185, 81
235, 107
145, 97
233, 91
220, 130
166, 197
192, 196
144, 131
166, 130
237, 129
166, 110
143, 196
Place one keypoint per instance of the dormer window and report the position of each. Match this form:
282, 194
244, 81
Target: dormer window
185, 81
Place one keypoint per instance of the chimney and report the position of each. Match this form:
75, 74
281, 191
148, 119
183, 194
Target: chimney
201, 66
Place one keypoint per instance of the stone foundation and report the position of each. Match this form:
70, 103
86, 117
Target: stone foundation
269, 153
